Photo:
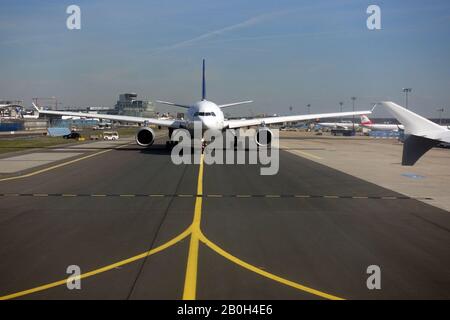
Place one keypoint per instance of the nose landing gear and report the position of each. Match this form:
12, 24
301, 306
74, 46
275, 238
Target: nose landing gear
203, 145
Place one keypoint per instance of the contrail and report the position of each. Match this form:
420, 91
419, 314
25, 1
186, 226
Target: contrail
247, 23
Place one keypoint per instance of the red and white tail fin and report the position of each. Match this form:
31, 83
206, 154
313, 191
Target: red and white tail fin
365, 120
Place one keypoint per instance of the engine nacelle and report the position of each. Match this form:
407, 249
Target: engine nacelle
145, 137
263, 137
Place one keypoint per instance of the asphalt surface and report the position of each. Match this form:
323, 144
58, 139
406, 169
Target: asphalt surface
309, 224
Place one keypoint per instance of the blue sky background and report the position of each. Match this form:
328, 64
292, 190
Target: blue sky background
278, 53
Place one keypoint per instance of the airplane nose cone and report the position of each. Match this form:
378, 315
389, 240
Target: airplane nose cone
209, 124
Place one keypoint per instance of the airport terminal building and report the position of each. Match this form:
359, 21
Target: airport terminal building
129, 105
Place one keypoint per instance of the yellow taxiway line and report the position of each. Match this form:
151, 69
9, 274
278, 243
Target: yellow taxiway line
143, 255
197, 236
308, 155
60, 165
263, 273
190, 281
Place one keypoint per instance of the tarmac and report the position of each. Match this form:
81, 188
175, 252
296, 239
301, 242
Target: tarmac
378, 161
141, 227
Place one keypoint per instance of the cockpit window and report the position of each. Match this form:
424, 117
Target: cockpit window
204, 114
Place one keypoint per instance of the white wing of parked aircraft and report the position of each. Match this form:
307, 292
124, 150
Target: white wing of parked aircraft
422, 134
209, 114
271, 120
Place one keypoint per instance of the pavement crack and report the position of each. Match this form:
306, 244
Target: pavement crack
158, 229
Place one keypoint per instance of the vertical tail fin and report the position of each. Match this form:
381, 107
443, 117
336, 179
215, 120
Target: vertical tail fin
203, 82
365, 120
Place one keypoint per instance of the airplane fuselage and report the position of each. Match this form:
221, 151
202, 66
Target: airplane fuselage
383, 127
207, 113
345, 125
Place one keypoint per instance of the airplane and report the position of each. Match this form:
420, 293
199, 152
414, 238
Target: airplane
339, 125
367, 123
421, 134
205, 112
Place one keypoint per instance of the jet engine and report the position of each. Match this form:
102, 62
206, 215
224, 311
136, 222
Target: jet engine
263, 137
145, 137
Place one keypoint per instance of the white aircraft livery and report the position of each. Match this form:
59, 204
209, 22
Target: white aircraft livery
208, 113
421, 134
367, 123
339, 125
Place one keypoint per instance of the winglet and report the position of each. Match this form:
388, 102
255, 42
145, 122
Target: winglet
35, 107
414, 147
414, 123
421, 133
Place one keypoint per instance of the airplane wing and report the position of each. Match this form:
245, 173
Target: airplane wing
422, 134
234, 104
270, 120
173, 104
159, 122
417, 125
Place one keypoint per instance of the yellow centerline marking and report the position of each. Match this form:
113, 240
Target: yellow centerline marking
162, 247
307, 154
263, 273
190, 281
194, 230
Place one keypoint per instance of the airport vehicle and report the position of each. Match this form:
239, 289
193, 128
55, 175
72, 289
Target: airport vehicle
421, 134
367, 123
110, 135
205, 112
102, 126
72, 135
342, 132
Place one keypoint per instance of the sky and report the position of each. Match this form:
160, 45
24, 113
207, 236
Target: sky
278, 53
